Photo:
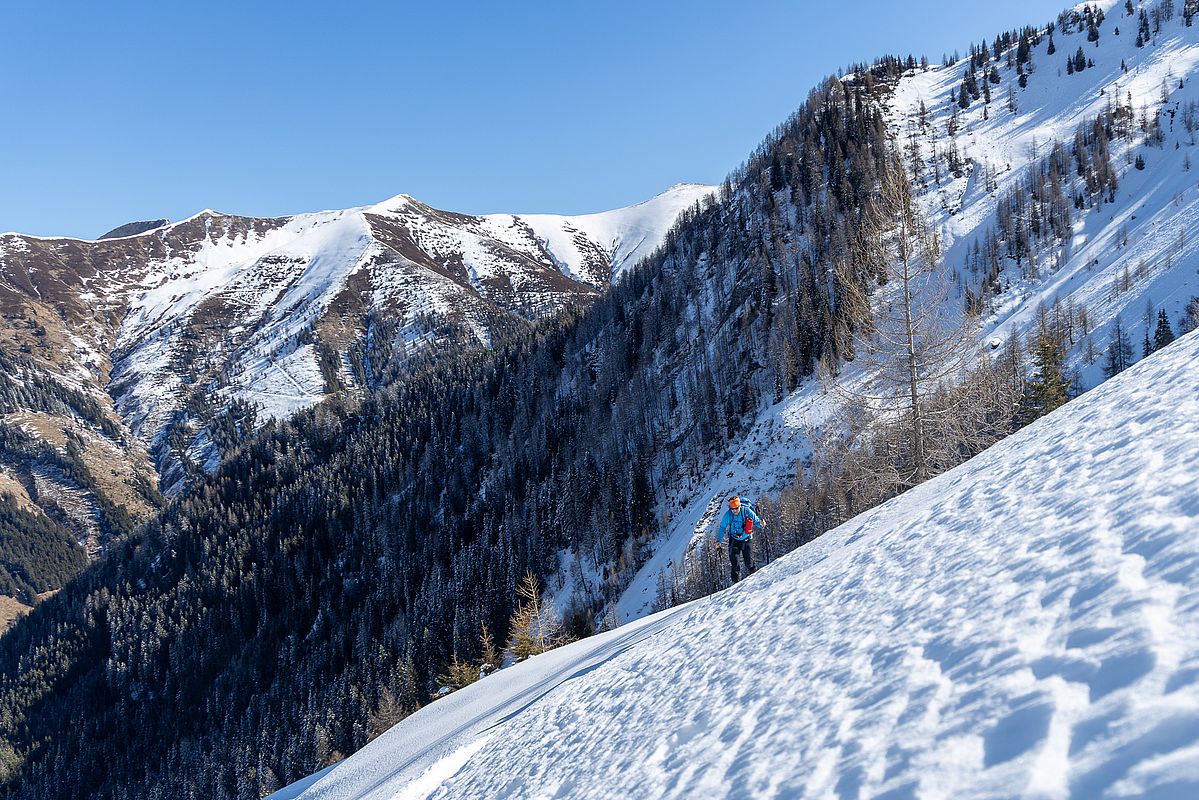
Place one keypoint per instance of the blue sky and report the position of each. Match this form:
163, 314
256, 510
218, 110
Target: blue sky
118, 111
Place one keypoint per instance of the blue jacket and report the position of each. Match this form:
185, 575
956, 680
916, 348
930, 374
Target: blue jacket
735, 523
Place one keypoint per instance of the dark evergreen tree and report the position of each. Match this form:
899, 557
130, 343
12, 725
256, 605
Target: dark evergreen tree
1189, 319
1163, 334
1049, 387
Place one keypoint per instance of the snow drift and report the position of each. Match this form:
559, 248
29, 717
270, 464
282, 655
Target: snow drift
1026, 625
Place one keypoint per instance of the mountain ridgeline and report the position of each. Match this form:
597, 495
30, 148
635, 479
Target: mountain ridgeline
274, 614
131, 365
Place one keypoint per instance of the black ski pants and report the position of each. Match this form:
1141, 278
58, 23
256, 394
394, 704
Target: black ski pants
745, 549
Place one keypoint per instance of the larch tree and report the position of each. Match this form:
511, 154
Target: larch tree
535, 627
1119, 351
914, 345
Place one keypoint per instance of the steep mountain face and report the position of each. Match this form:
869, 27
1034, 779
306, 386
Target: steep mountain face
912, 652
1072, 194
1064, 200
150, 352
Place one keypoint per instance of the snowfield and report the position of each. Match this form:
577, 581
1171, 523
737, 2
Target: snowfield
1026, 625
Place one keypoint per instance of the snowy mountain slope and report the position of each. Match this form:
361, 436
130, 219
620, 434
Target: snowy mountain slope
625, 236
412, 260
1146, 228
1025, 625
1131, 256
168, 329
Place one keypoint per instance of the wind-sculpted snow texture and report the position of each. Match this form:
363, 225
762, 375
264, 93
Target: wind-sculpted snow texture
1026, 625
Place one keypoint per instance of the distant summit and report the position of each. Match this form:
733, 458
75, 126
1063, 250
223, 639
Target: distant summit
134, 228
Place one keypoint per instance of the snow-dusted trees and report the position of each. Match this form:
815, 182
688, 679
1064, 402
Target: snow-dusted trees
1189, 319
1049, 387
1038, 211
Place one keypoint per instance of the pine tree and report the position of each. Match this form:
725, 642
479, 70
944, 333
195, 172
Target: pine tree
1164, 334
1049, 387
1189, 319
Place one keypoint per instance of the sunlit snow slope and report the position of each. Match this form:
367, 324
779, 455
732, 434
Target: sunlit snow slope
1026, 625
1131, 257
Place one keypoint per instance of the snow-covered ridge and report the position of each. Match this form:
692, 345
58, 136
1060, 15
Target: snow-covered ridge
627, 234
281, 312
1026, 625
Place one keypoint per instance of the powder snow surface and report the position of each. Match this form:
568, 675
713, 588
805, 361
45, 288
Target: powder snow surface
1026, 625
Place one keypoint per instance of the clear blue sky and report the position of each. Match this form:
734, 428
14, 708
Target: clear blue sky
117, 111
